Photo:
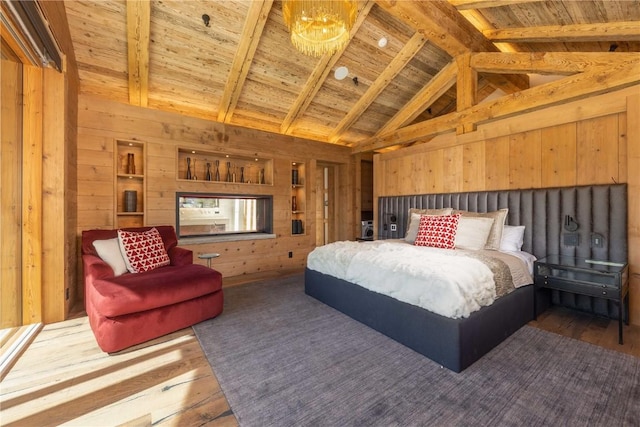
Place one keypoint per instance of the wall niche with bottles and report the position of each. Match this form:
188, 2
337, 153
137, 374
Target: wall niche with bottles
205, 166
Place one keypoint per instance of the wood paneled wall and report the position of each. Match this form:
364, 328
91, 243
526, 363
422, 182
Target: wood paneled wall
101, 122
593, 141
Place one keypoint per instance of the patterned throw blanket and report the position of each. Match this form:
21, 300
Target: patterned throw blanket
452, 283
501, 272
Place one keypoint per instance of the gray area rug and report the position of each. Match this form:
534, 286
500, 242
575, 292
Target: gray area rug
285, 359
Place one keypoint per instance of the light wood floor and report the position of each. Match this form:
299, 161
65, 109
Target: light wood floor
65, 379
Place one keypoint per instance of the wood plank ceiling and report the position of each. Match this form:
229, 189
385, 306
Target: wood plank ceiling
431, 77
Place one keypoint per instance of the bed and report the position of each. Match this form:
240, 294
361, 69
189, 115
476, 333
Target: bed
457, 342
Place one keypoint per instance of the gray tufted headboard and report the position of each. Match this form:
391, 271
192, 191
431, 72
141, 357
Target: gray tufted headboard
598, 209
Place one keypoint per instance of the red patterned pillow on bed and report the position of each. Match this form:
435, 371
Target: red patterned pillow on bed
437, 231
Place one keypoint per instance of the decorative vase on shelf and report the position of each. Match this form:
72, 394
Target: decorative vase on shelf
294, 204
217, 176
228, 171
294, 177
130, 200
131, 164
195, 176
262, 181
242, 174
208, 175
188, 167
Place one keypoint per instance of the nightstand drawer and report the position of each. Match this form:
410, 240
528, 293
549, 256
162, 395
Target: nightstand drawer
591, 289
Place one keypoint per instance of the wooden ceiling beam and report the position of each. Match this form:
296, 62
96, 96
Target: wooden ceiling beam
485, 4
397, 64
466, 90
318, 76
599, 32
431, 92
593, 82
447, 29
251, 32
559, 63
138, 28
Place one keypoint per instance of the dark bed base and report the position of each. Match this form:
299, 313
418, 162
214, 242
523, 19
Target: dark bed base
453, 343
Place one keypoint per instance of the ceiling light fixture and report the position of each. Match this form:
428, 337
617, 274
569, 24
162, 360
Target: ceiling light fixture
341, 73
382, 42
319, 26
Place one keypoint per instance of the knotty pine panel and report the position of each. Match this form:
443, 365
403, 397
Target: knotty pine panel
497, 163
10, 201
597, 149
473, 166
452, 168
524, 160
632, 142
559, 155
54, 252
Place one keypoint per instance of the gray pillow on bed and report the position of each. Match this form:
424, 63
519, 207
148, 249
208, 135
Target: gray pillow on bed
414, 220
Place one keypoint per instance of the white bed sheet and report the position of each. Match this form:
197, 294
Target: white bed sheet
443, 281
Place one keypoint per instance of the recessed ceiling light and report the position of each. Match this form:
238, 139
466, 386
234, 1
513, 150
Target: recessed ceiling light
341, 73
382, 42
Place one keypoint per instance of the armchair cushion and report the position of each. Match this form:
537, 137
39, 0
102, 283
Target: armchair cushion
133, 293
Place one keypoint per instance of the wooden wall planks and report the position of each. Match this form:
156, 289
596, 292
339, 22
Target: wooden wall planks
599, 148
10, 204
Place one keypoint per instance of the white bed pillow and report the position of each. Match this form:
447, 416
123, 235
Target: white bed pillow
512, 238
414, 220
473, 232
109, 252
495, 235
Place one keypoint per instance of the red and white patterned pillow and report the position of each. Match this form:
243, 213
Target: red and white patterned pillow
143, 250
437, 231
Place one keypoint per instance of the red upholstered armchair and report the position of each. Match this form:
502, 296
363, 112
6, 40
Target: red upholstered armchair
126, 308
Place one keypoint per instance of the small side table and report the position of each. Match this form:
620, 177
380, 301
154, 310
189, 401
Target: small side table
595, 278
208, 257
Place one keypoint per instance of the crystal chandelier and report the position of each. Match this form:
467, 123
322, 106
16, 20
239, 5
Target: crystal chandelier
319, 26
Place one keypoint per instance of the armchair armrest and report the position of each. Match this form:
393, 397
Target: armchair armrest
180, 256
95, 268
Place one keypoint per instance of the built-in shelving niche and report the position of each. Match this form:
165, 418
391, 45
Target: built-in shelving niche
205, 166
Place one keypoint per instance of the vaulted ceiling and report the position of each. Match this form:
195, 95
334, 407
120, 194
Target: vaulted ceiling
448, 65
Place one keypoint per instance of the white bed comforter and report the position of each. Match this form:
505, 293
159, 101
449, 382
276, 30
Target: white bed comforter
445, 282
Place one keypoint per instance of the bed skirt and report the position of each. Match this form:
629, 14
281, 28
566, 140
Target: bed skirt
453, 343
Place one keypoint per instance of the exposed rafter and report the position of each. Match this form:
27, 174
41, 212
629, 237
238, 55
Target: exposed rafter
443, 25
138, 23
318, 76
484, 4
601, 79
253, 26
441, 82
611, 31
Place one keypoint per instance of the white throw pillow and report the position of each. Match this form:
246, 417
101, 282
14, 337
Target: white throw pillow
499, 217
109, 252
473, 232
512, 238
